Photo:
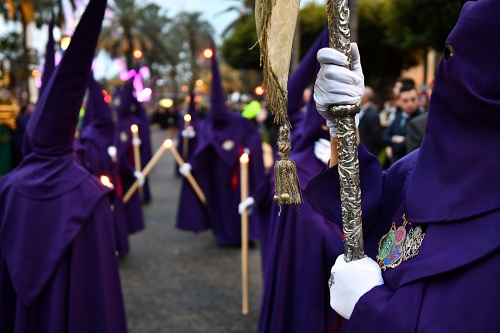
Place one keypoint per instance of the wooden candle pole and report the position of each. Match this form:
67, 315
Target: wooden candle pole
185, 139
147, 170
190, 178
136, 143
244, 232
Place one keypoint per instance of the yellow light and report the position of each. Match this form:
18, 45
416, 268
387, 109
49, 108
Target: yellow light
208, 53
35, 73
134, 128
137, 54
199, 83
187, 117
64, 43
166, 102
168, 143
259, 90
244, 158
106, 182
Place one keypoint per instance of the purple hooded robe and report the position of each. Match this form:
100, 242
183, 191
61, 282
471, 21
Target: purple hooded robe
58, 268
97, 133
301, 244
126, 118
449, 187
215, 165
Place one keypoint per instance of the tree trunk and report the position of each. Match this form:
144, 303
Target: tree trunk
25, 92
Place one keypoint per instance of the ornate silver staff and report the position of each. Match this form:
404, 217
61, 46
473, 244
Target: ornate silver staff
350, 192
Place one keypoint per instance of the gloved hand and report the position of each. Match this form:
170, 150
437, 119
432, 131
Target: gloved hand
188, 133
247, 205
349, 281
140, 177
136, 142
185, 169
336, 84
322, 150
112, 151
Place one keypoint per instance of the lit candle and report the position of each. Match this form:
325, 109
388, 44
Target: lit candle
106, 182
185, 142
187, 120
244, 232
136, 143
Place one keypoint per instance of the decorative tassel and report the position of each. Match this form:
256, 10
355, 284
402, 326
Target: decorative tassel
275, 22
287, 186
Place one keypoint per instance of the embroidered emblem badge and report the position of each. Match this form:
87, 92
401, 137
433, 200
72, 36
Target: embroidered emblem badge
397, 245
228, 145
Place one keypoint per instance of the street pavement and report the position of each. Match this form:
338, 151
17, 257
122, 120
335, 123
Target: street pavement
175, 281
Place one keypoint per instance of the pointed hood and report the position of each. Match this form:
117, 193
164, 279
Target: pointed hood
218, 110
98, 115
51, 129
50, 62
126, 100
304, 74
310, 130
456, 172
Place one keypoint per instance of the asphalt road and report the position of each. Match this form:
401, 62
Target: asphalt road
175, 281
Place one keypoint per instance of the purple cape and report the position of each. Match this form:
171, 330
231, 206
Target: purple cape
97, 133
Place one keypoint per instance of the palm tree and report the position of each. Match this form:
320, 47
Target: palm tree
196, 34
134, 28
26, 12
245, 8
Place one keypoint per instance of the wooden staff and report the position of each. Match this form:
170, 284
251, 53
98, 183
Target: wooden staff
136, 143
147, 170
189, 176
185, 139
244, 232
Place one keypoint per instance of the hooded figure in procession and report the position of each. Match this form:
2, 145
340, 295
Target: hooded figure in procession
126, 118
58, 263
215, 165
430, 221
95, 149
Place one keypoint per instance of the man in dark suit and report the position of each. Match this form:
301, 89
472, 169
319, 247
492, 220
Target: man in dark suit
394, 136
415, 132
370, 130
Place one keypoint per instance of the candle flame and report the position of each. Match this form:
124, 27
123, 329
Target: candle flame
106, 182
187, 117
244, 158
168, 143
134, 128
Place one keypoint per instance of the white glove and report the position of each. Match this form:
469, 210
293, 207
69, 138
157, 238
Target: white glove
247, 205
322, 150
349, 281
185, 169
140, 177
136, 142
112, 151
188, 133
336, 84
